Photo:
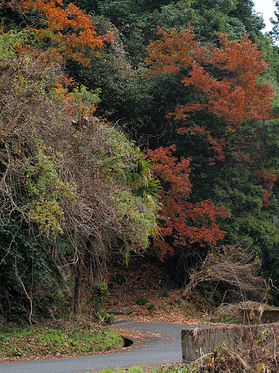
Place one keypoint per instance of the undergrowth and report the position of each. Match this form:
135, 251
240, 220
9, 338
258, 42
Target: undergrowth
57, 340
173, 368
254, 349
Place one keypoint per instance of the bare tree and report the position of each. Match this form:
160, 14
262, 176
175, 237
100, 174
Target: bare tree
234, 265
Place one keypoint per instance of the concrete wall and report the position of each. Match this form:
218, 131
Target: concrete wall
201, 341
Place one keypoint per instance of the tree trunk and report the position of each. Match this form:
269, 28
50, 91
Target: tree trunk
78, 289
187, 292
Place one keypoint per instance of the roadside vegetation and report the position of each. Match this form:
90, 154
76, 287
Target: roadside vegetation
57, 339
173, 368
134, 130
221, 360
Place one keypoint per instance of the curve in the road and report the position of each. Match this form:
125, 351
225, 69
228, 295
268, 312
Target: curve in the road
162, 348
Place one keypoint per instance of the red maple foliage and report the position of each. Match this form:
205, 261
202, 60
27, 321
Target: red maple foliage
224, 82
185, 222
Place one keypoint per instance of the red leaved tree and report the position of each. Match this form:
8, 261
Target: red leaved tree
185, 222
224, 80
224, 83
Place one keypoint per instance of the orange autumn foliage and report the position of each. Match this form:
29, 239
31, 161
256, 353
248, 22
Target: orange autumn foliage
75, 109
237, 95
172, 52
68, 28
224, 82
185, 222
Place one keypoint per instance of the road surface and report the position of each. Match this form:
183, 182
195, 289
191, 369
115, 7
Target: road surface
161, 345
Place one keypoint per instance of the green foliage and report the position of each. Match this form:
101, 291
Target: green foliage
121, 161
150, 307
229, 317
119, 156
9, 41
135, 369
141, 301
69, 166
131, 207
85, 96
58, 175
53, 340
45, 188
173, 368
166, 294
99, 293
35, 268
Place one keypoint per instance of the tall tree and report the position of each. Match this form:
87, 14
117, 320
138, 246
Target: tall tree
275, 29
220, 92
71, 181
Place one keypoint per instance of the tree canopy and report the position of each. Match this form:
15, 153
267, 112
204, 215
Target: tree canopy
130, 126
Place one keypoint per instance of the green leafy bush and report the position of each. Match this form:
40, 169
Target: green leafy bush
141, 301
150, 307
165, 294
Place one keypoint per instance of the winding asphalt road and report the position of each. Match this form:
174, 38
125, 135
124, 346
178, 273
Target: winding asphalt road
163, 347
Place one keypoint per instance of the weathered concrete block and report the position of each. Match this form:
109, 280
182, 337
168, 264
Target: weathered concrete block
201, 341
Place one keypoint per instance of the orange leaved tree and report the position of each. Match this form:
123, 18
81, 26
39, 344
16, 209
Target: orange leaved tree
68, 29
220, 85
183, 222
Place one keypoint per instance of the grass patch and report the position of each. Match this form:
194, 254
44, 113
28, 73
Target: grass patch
57, 339
169, 368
